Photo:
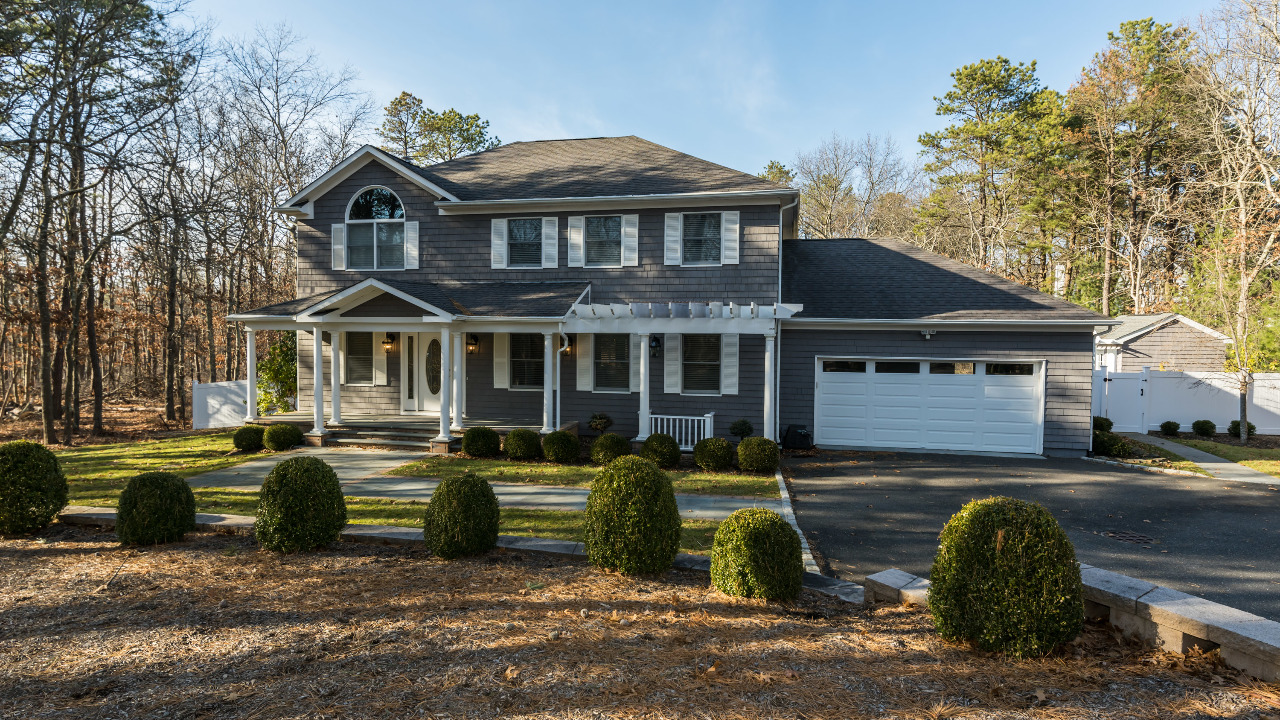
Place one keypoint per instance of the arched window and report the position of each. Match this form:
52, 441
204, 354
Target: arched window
375, 231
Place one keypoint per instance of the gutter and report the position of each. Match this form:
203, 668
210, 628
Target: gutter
473, 207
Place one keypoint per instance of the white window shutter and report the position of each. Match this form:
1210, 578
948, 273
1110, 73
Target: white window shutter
577, 250
636, 349
411, 245
729, 364
501, 360
671, 363
338, 239
729, 238
630, 240
498, 244
379, 359
674, 227
586, 363
550, 242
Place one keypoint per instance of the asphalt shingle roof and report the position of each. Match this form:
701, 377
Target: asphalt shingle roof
880, 279
1133, 323
477, 299
290, 307
586, 167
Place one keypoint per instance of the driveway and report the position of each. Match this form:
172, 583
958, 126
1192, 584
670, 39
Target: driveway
865, 512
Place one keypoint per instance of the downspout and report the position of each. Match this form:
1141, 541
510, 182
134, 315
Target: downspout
777, 335
564, 348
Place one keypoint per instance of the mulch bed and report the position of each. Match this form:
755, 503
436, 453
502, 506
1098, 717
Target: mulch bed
213, 627
1270, 442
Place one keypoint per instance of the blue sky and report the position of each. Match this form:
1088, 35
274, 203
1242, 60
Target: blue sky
739, 83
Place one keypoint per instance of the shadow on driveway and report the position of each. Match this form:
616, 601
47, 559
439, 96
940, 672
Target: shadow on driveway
866, 512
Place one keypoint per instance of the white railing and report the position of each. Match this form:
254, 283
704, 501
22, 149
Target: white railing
686, 429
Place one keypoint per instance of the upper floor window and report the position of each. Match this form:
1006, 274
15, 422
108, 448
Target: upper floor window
604, 241
524, 242
700, 239
375, 231
700, 243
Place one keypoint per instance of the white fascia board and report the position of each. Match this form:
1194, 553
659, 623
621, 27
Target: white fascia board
360, 292
962, 325
639, 325
700, 199
349, 165
1205, 329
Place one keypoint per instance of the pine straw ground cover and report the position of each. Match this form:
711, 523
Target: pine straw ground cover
212, 627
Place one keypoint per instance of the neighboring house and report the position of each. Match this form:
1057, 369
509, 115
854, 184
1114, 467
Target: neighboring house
538, 283
1163, 341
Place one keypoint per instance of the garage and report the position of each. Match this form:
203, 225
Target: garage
930, 404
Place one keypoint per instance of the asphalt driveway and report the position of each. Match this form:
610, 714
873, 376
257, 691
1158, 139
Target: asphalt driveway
865, 512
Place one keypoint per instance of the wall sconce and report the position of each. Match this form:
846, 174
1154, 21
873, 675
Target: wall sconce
655, 345
568, 344
473, 343
388, 342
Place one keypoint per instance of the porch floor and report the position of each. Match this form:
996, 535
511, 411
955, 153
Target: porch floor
414, 423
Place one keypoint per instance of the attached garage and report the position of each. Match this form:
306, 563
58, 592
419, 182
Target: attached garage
933, 404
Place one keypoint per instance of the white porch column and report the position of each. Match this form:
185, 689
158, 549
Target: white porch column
644, 387
458, 369
548, 381
317, 378
446, 386
251, 363
770, 402
335, 379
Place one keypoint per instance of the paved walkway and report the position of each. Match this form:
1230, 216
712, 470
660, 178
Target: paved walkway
361, 475
1212, 464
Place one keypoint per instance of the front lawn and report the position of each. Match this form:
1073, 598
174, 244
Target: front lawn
686, 480
1265, 460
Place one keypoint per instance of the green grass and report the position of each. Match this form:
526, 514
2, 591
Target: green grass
696, 482
1265, 460
1161, 458
97, 473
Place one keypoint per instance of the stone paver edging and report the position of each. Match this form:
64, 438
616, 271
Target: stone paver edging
1220, 468
105, 517
1144, 468
810, 565
1165, 618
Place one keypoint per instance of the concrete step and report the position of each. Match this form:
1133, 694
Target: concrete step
383, 433
381, 441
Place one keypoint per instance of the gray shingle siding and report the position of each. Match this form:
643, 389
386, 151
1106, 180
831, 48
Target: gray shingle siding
356, 399
1174, 347
1068, 380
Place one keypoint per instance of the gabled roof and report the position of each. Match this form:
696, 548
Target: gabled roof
297, 205
885, 280
1132, 327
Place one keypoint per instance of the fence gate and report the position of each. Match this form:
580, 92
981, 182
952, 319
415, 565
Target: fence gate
1122, 398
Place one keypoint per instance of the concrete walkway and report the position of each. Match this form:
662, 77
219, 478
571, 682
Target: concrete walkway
1212, 464
361, 475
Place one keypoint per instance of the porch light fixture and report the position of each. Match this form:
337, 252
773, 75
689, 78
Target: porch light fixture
473, 343
655, 345
388, 342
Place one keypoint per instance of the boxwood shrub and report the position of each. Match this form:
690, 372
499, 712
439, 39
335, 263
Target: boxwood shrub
1006, 579
1102, 424
1111, 445
461, 518
481, 442
281, 437
632, 523
155, 507
32, 487
662, 450
1234, 429
300, 506
758, 454
1170, 427
713, 454
523, 444
756, 554
609, 447
562, 447
1204, 428
248, 438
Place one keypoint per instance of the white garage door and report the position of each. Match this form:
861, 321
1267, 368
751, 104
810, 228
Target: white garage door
930, 404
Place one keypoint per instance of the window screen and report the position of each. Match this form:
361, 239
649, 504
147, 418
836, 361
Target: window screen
701, 239
950, 368
612, 362
897, 366
360, 246
1010, 369
526, 360
604, 241
701, 363
524, 244
848, 366
359, 360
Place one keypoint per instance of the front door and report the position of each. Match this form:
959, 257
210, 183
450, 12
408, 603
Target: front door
420, 373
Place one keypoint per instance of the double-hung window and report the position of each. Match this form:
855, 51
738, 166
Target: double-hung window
524, 243
359, 358
603, 241
700, 364
526, 361
375, 231
612, 362
700, 241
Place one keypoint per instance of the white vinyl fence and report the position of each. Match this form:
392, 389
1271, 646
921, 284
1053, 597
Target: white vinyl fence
1140, 401
218, 405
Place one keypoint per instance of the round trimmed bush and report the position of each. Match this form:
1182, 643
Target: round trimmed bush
632, 523
32, 487
1234, 429
248, 438
1170, 427
281, 437
662, 450
300, 506
758, 454
713, 454
481, 442
756, 554
1102, 424
523, 444
1204, 428
741, 428
1111, 445
155, 507
462, 517
609, 447
562, 447
1006, 579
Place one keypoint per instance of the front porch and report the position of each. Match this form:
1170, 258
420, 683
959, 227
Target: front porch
402, 431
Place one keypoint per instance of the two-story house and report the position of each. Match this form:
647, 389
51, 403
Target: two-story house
540, 283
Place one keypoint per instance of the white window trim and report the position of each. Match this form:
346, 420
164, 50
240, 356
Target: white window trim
535, 266
684, 264
584, 242
511, 368
720, 362
346, 235
610, 391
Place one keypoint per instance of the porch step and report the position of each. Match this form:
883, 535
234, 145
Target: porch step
381, 441
383, 433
